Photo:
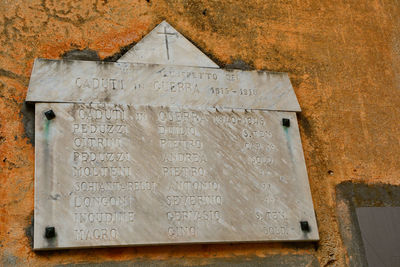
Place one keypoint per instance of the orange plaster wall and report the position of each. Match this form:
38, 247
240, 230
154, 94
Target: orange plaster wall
343, 58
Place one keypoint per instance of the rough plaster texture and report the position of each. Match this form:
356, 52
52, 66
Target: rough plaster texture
343, 59
274, 260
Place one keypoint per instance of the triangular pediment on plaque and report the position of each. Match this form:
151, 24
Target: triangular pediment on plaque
165, 45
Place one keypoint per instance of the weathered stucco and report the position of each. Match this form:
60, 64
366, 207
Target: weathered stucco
343, 59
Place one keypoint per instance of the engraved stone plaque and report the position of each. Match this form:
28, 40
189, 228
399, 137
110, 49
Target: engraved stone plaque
164, 85
117, 175
183, 152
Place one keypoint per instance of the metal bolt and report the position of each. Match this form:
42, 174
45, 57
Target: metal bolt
305, 227
50, 232
286, 122
50, 114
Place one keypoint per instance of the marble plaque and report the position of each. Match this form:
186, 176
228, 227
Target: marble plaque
160, 85
118, 175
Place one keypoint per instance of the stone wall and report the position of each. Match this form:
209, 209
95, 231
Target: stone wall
343, 58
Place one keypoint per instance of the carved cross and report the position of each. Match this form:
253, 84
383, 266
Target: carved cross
166, 39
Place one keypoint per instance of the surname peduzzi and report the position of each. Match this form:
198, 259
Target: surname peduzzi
167, 81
